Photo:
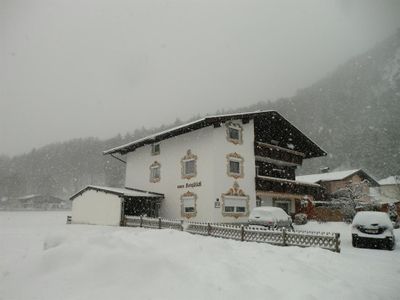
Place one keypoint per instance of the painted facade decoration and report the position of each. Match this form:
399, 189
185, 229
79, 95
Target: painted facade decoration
155, 172
188, 205
234, 133
189, 165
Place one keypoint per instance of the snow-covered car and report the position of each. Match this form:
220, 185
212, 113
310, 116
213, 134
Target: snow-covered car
372, 228
271, 217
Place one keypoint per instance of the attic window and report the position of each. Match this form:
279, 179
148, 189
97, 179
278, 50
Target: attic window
234, 133
155, 149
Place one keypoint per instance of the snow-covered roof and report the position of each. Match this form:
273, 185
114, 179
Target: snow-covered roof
213, 120
289, 181
126, 192
390, 180
333, 176
28, 197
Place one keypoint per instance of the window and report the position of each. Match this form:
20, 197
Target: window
235, 203
189, 165
188, 205
285, 204
234, 133
235, 165
155, 172
155, 149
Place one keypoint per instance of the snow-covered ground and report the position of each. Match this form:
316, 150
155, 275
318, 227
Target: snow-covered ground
43, 258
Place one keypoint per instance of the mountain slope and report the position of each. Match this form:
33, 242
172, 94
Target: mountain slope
353, 113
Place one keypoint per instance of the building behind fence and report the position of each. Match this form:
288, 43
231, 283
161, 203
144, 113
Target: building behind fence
325, 240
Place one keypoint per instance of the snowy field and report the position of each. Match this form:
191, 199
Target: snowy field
43, 258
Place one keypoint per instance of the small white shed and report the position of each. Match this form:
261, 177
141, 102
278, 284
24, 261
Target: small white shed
108, 206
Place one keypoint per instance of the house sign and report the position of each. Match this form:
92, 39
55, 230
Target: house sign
189, 185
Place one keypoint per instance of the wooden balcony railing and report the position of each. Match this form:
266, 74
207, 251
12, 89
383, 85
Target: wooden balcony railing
269, 184
278, 153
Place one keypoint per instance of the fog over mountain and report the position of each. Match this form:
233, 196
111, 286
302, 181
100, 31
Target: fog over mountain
74, 69
353, 113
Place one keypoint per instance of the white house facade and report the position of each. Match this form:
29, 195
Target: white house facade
219, 168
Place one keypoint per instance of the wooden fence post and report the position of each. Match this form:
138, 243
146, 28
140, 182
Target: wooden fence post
208, 229
337, 242
284, 236
181, 225
159, 223
242, 232
141, 221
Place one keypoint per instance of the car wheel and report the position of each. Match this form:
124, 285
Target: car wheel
390, 245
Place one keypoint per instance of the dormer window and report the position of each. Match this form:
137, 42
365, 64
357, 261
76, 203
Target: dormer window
155, 172
234, 133
189, 165
235, 165
155, 149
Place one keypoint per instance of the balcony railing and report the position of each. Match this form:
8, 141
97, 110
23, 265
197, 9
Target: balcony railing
278, 153
277, 185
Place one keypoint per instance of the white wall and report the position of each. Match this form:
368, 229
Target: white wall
220, 148
96, 207
211, 147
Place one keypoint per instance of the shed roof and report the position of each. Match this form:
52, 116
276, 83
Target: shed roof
126, 192
334, 176
216, 120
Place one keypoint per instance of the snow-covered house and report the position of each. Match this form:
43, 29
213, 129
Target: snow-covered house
390, 188
220, 167
334, 181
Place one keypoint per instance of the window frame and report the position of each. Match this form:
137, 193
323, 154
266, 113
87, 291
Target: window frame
189, 157
235, 157
186, 197
153, 149
235, 211
234, 126
155, 165
235, 194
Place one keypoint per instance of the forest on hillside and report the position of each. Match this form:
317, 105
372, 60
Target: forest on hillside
353, 114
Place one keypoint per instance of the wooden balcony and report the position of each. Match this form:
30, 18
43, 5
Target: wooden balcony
277, 153
277, 185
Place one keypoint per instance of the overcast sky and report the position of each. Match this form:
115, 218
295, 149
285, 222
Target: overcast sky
98, 68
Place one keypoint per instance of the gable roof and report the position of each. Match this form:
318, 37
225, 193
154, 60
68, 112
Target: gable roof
216, 121
126, 192
335, 176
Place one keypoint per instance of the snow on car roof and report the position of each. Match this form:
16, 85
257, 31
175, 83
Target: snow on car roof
275, 212
372, 217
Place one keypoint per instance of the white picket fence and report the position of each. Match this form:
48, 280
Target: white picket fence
283, 237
